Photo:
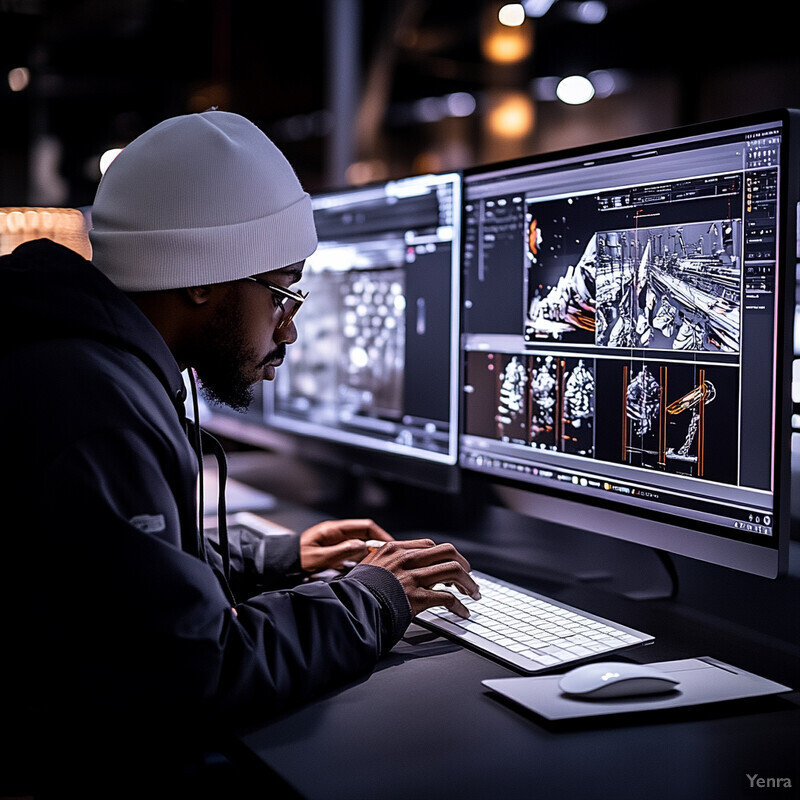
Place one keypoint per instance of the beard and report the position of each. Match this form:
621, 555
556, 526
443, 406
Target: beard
228, 367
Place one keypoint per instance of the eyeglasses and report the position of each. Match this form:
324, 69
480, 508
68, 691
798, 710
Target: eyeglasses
286, 300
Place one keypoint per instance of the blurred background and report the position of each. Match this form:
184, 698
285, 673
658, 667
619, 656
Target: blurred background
359, 90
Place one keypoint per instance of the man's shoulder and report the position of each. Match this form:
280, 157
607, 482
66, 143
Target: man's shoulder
86, 374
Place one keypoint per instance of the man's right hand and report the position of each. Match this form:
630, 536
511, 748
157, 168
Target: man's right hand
419, 564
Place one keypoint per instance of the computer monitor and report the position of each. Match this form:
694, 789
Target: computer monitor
627, 339
372, 380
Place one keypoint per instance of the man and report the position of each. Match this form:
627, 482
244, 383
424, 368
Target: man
128, 638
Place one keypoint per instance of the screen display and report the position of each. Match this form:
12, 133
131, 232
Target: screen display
624, 333
375, 364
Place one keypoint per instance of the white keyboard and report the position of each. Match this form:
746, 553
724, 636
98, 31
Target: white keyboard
527, 630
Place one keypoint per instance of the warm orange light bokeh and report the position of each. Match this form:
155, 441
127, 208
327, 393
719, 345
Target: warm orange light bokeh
512, 117
67, 226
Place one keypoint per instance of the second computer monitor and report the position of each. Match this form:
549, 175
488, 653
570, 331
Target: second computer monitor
375, 365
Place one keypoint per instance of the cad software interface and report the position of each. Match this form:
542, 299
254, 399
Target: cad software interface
376, 359
620, 326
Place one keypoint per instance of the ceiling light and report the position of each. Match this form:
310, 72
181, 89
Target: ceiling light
575, 90
590, 12
18, 79
537, 8
511, 14
108, 157
609, 81
545, 88
460, 104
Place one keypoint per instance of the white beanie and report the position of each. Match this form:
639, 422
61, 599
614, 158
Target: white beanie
199, 199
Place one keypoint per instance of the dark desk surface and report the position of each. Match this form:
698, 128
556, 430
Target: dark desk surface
423, 726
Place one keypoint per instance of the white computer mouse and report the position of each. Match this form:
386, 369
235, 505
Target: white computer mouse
604, 679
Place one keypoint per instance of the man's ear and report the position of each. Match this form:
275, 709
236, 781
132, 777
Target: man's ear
198, 295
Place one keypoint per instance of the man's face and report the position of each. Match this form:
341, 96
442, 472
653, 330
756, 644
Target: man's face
242, 341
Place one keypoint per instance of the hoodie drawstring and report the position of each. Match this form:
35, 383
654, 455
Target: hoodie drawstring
201, 436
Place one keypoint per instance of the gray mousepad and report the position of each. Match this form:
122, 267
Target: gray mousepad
702, 680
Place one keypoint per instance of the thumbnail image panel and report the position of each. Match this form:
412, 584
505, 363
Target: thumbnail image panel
672, 417
511, 400
670, 287
544, 385
578, 404
561, 253
542, 402
350, 351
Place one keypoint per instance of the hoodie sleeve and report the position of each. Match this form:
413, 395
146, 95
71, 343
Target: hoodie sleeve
258, 563
265, 563
169, 637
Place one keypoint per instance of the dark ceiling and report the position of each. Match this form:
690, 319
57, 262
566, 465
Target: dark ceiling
104, 70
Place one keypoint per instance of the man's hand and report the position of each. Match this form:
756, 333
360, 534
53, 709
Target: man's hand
419, 564
330, 545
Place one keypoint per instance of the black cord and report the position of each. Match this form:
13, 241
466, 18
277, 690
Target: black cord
222, 512
198, 449
200, 436
669, 565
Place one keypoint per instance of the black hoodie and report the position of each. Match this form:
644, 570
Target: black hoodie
118, 637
